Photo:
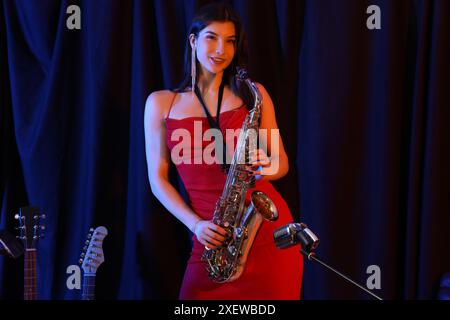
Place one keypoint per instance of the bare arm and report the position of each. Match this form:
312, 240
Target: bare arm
278, 166
158, 161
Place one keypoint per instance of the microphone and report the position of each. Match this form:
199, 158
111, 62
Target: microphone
293, 234
298, 233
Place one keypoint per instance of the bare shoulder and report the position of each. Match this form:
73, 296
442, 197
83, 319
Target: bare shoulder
266, 99
261, 88
158, 102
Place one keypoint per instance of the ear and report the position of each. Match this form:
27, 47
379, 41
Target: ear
192, 40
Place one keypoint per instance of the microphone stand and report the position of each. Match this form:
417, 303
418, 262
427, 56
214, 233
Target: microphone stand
313, 256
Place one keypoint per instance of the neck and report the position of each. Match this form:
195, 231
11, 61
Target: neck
88, 286
30, 276
209, 83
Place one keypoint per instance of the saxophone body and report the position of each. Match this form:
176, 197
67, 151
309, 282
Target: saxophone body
227, 262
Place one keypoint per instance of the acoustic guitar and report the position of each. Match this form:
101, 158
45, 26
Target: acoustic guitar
31, 230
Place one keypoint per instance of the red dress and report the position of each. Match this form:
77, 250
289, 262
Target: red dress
270, 273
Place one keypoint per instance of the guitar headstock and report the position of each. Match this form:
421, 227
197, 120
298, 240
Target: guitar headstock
30, 226
92, 256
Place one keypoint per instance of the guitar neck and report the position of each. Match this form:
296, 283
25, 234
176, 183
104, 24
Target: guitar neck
88, 286
30, 276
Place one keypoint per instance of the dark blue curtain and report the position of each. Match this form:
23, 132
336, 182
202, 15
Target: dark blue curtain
364, 115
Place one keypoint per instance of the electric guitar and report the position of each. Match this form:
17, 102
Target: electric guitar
91, 258
31, 231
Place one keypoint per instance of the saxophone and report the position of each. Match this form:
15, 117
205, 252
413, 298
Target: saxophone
227, 262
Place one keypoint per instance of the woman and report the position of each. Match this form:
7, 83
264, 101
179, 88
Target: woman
215, 48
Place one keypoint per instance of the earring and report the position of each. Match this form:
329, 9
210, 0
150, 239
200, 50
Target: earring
193, 69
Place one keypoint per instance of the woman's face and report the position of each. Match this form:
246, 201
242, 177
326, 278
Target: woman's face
215, 46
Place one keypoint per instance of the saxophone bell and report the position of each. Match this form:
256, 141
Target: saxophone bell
264, 206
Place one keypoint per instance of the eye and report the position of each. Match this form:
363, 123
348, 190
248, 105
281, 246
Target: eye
210, 37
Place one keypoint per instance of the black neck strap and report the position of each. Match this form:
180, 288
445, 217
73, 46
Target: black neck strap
214, 123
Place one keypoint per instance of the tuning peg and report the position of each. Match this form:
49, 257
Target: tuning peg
42, 227
43, 216
18, 217
82, 255
91, 229
87, 242
80, 261
89, 235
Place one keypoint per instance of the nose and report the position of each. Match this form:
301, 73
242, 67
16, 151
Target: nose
219, 48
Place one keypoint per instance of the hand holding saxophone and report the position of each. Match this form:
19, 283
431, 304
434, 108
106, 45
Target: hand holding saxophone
259, 164
209, 234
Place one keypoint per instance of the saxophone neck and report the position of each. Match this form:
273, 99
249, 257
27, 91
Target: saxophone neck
257, 97
242, 75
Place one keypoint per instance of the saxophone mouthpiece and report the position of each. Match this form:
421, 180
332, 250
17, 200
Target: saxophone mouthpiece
242, 73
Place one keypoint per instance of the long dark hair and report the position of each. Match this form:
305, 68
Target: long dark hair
219, 12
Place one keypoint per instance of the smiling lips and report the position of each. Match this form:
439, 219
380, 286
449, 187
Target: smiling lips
216, 61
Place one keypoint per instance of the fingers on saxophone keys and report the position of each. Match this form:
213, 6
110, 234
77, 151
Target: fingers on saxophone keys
255, 171
219, 230
209, 245
259, 162
217, 236
212, 243
250, 169
256, 165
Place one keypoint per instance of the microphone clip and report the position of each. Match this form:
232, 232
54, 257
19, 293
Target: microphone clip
296, 233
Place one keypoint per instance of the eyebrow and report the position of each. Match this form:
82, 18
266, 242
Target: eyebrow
213, 33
